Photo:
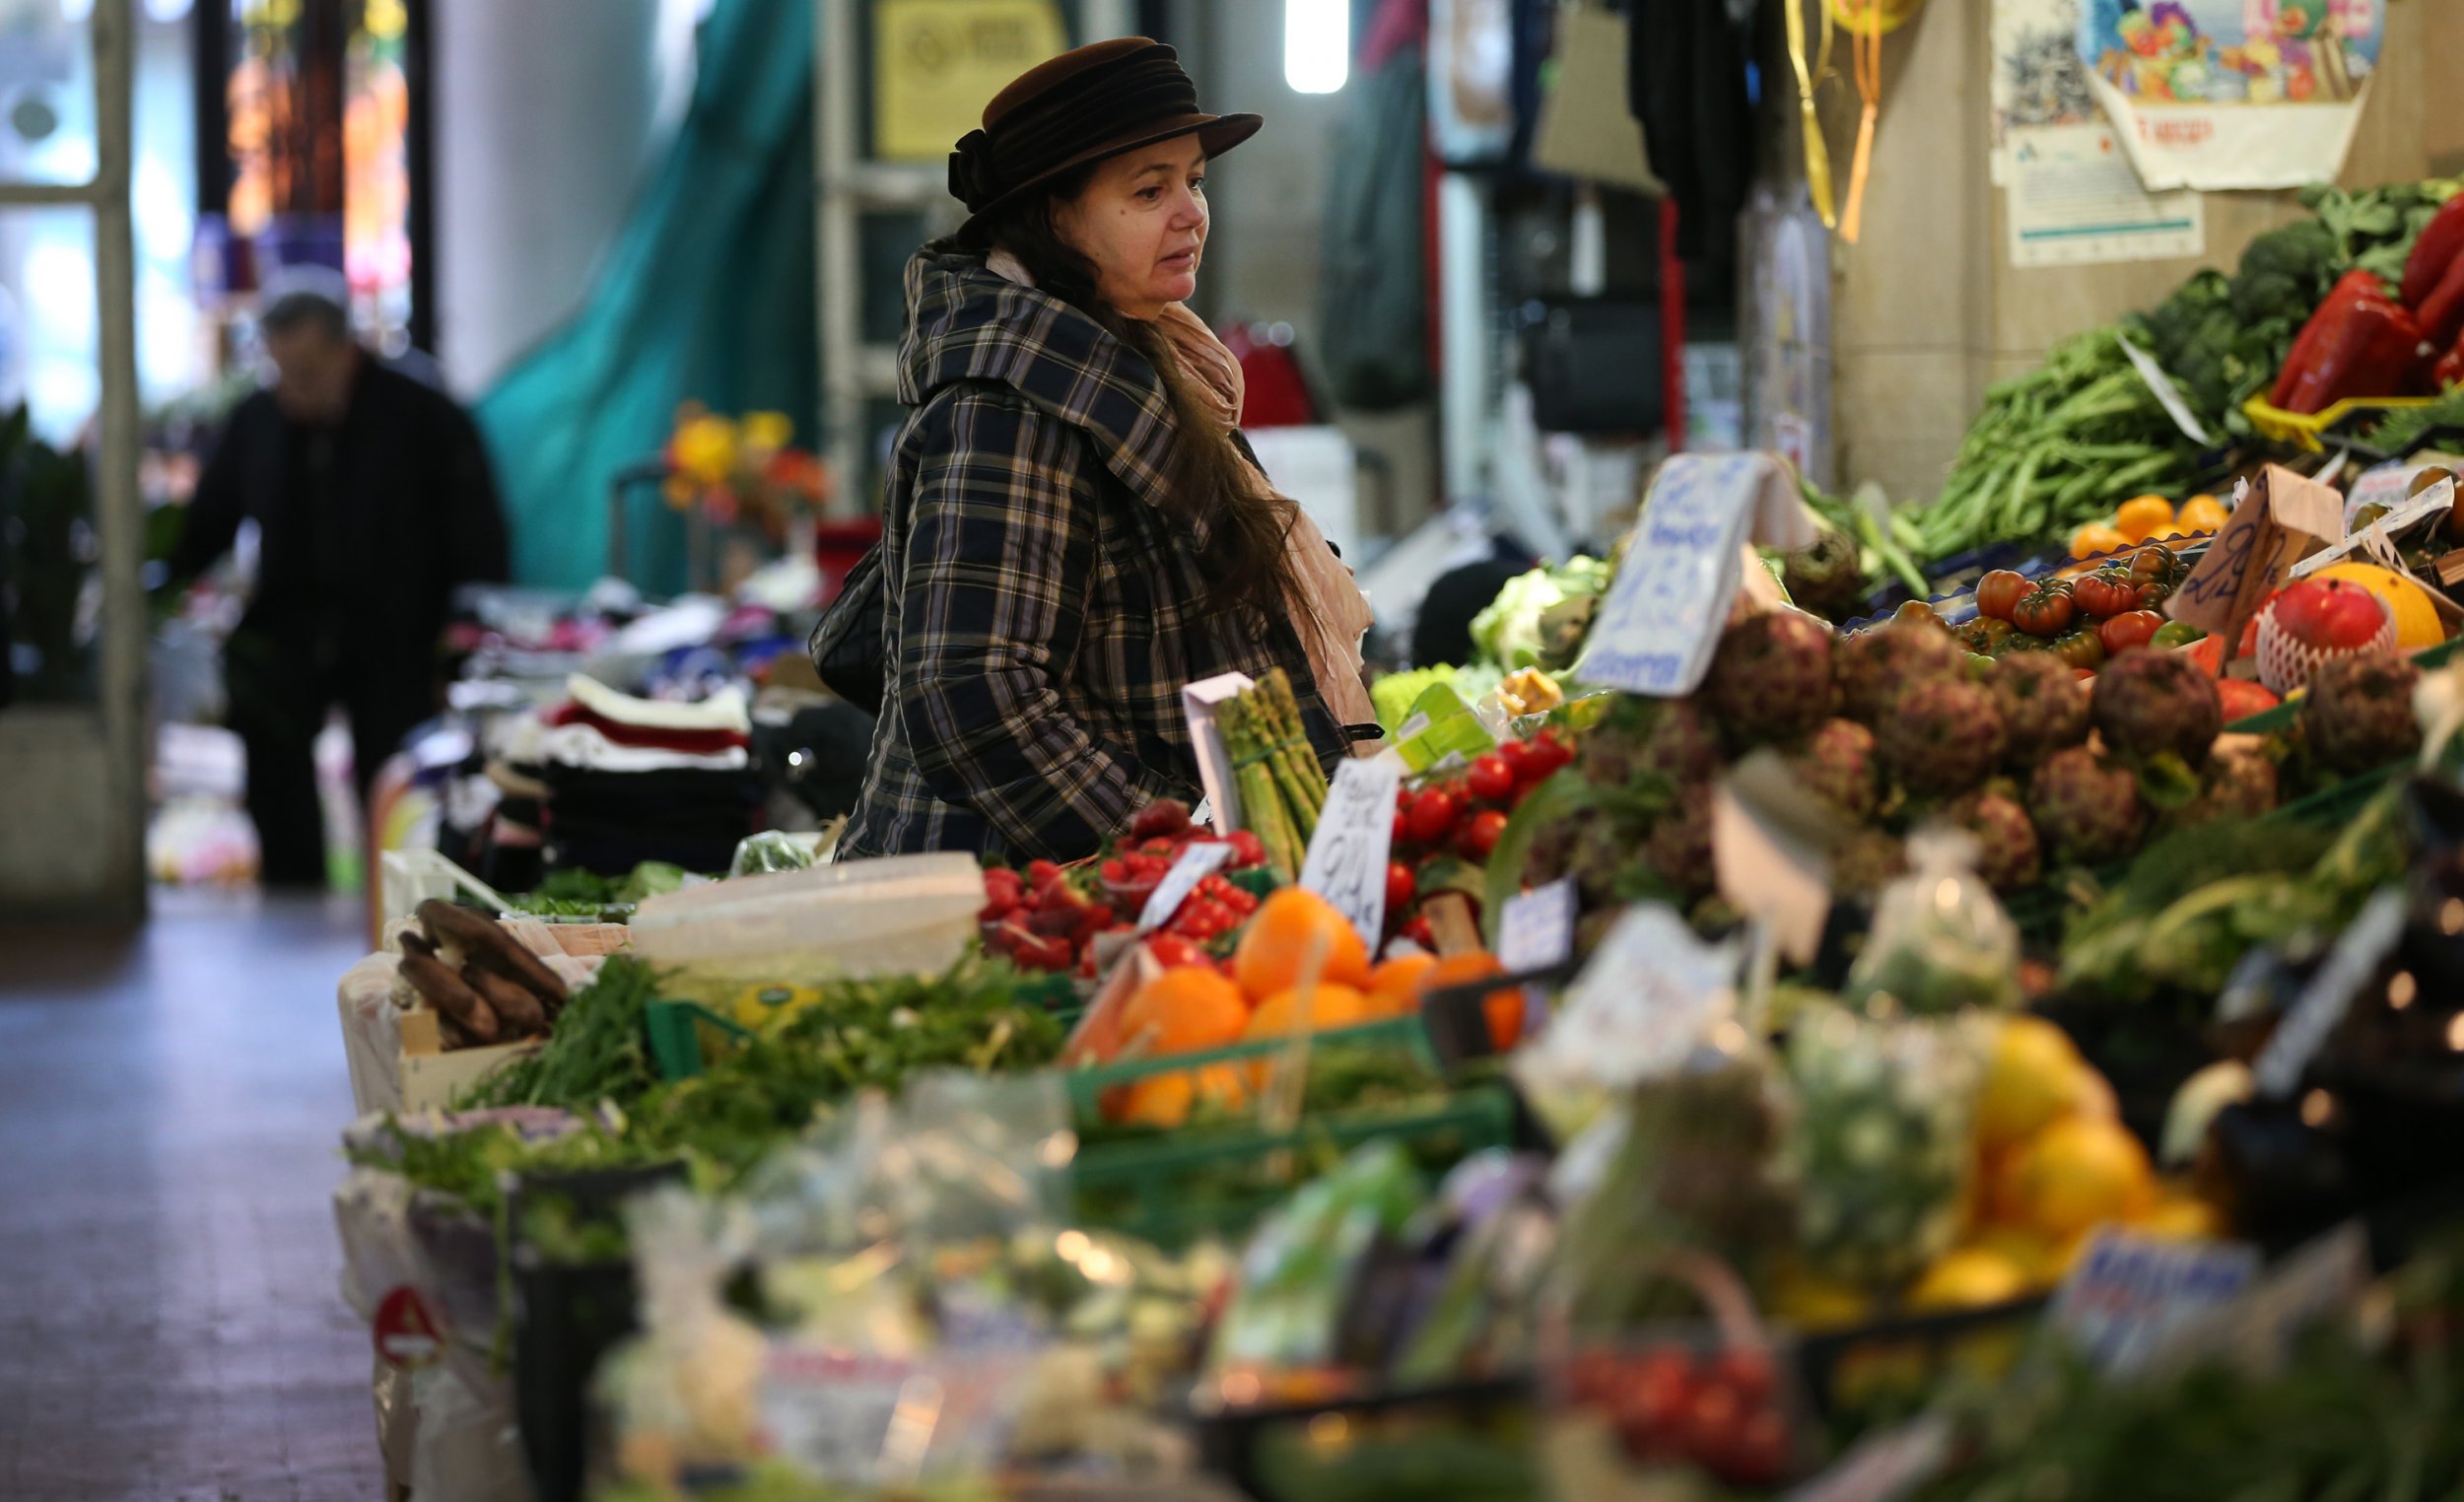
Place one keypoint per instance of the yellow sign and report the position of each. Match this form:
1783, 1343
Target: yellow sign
936, 63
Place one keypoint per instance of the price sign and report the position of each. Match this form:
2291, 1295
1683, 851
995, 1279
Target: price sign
2275, 525
1198, 860
1536, 928
1646, 998
1664, 614
2131, 1294
1347, 860
2377, 538
1769, 841
2324, 1002
2167, 394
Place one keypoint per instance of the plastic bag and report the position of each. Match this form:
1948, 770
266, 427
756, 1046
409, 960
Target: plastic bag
1940, 941
1301, 1267
1880, 1147
773, 849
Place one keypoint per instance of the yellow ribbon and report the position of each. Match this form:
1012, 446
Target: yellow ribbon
1867, 40
1808, 77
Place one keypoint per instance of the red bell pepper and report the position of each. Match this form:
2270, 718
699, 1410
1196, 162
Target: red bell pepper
2449, 371
2441, 314
2368, 346
2441, 243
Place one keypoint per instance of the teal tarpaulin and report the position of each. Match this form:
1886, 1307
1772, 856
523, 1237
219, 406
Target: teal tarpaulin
707, 292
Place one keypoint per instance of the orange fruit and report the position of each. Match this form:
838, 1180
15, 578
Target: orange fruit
1969, 1277
1503, 1007
1279, 939
1394, 985
2079, 1172
2098, 538
1165, 1101
1183, 1010
2202, 513
1329, 1007
2143, 518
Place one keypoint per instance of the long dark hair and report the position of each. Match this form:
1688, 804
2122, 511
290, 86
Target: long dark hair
1241, 526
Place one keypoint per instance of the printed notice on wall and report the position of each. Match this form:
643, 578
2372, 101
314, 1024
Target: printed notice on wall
2075, 200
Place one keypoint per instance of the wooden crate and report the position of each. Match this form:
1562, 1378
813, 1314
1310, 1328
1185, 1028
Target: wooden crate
433, 1074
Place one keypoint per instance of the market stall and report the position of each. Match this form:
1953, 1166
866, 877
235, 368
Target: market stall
1997, 1040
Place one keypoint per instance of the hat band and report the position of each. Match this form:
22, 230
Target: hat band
1067, 120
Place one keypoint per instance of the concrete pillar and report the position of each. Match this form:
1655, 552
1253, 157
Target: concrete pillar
546, 114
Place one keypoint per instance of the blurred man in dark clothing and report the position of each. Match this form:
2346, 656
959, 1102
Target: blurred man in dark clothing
374, 502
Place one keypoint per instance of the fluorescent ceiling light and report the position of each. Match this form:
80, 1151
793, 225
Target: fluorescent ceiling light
1317, 44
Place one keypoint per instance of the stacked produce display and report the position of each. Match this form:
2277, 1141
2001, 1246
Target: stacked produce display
1518, 1141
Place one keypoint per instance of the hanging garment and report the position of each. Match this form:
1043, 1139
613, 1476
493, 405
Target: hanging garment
1687, 73
1372, 298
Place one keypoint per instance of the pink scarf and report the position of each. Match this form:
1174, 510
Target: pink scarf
1332, 639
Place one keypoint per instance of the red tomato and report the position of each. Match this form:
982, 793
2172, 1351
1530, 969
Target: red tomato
1714, 1424
1173, 952
1749, 1373
2045, 611
1247, 848
2132, 628
1479, 837
1759, 1455
1999, 592
1403, 823
1654, 1406
2243, 698
1517, 755
1417, 930
1432, 814
1549, 752
2105, 592
1401, 887
1490, 778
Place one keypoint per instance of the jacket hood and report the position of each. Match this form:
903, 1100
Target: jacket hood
968, 323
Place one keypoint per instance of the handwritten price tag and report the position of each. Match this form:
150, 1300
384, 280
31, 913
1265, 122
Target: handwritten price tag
1536, 927
1347, 860
1196, 862
2130, 1294
1671, 601
2275, 525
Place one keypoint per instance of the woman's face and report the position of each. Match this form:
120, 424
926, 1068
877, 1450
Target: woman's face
1142, 221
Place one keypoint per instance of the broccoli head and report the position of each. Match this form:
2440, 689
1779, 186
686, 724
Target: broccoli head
2286, 272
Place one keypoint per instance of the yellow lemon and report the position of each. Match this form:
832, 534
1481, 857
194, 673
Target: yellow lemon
2081, 1172
2032, 1080
1968, 1278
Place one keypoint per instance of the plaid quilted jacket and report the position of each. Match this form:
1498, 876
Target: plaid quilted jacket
1042, 614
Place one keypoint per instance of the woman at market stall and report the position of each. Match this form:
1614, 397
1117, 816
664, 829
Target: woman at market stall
1072, 529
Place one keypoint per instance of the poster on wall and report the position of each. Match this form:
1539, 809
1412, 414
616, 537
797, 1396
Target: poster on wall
936, 61
2232, 94
2038, 79
2073, 200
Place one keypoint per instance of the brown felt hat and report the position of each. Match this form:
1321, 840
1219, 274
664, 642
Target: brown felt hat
1084, 105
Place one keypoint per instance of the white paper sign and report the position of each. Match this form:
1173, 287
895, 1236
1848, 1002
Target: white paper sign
2379, 536
1198, 860
1214, 759
2324, 1000
1664, 613
1884, 1466
1765, 872
1347, 860
1536, 928
2167, 394
1649, 995
2130, 1294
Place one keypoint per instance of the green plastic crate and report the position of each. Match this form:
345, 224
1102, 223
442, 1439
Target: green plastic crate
1141, 1186
1144, 1188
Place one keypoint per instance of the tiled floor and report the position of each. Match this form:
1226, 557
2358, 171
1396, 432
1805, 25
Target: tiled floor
170, 1108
